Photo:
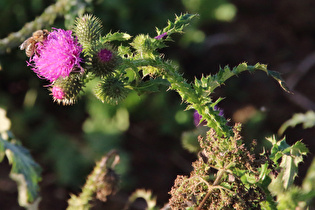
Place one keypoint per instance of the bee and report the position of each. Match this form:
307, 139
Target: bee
30, 44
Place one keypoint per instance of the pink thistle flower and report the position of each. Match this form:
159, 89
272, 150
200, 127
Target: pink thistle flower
105, 55
57, 56
57, 93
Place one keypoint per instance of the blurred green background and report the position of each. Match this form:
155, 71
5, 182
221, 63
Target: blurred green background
146, 130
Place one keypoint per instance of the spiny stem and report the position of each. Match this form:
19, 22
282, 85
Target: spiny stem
187, 93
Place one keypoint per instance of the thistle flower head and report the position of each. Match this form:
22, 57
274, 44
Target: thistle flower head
104, 61
57, 56
66, 90
105, 55
57, 93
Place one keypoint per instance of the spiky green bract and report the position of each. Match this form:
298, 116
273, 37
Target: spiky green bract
111, 90
104, 61
88, 30
66, 90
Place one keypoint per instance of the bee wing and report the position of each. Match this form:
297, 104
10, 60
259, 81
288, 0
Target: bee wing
23, 45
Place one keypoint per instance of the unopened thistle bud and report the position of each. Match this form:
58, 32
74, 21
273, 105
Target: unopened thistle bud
66, 90
104, 62
112, 90
88, 30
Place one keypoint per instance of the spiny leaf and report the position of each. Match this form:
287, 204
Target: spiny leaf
290, 156
25, 171
289, 170
277, 148
211, 82
117, 36
278, 78
177, 26
307, 120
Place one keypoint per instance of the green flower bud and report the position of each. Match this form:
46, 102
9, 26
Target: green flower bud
88, 30
112, 90
66, 90
104, 62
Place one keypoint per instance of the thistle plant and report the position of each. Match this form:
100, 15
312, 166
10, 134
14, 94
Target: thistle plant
227, 174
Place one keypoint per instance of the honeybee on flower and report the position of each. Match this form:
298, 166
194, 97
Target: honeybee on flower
29, 45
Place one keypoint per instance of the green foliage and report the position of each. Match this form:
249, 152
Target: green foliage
25, 171
308, 185
226, 174
290, 156
177, 26
150, 86
263, 177
197, 95
209, 83
288, 196
307, 119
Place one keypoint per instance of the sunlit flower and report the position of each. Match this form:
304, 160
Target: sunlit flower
57, 56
